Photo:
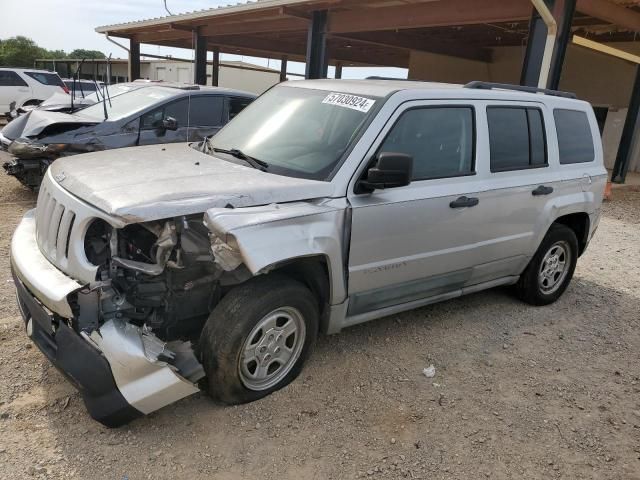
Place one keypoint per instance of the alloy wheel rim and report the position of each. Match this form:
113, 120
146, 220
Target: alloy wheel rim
272, 349
554, 267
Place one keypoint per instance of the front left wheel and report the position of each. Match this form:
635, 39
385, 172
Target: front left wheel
258, 337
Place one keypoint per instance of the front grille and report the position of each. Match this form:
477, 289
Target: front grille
54, 223
62, 220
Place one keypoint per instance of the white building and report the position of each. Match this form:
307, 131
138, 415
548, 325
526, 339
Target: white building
239, 75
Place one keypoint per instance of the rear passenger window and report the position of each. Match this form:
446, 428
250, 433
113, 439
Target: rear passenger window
516, 138
206, 111
574, 137
440, 140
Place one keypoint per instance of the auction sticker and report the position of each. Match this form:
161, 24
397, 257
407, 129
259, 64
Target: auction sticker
353, 102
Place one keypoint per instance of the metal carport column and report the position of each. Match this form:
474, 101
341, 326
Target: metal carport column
532, 66
317, 62
630, 134
134, 60
200, 67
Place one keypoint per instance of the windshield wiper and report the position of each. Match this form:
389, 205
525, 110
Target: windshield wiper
254, 162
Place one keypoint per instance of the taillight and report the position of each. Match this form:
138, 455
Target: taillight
65, 88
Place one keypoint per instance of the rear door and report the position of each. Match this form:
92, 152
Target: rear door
12, 89
519, 185
151, 129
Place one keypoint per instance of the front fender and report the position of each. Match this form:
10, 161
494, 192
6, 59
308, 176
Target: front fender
266, 236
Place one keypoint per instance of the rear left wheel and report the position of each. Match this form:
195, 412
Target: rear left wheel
550, 270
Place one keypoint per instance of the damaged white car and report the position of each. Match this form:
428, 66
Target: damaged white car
147, 273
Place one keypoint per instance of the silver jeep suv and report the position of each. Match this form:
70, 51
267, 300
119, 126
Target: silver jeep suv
147, 272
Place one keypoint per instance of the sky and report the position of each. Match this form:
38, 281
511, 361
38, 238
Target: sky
70, 24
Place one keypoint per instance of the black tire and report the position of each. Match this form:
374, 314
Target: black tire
232, 321
31, 102
529, 288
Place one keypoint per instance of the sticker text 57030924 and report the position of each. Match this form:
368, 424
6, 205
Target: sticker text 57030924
354, 102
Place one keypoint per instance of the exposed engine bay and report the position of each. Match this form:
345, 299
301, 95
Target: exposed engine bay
160, 277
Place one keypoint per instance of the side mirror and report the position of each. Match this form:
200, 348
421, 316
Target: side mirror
169, 123
389, 171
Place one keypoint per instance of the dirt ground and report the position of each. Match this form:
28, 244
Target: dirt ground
519, 392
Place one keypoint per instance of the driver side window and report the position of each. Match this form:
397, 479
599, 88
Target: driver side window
178, 110
440, 140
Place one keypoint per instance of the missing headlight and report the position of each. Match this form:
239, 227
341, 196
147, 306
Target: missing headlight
96, 242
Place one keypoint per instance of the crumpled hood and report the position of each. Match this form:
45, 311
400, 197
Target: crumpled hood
60, 100
38, 120
162, 181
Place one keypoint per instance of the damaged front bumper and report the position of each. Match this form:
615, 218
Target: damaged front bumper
121, 370
28, 172
4, 142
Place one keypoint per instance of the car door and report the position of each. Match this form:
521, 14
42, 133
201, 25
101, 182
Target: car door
206, 114
151, 123
520, 185
12, 89
419, 241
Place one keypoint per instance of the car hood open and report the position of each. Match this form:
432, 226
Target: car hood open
62, 101
162, 181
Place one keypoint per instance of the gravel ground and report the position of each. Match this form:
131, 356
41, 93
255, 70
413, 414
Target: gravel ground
519, 392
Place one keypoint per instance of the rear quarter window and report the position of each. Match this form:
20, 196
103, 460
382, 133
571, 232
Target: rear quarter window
237, 104
575, 141
51, 79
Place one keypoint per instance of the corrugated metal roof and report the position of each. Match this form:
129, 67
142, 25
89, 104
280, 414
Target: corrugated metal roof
199, 14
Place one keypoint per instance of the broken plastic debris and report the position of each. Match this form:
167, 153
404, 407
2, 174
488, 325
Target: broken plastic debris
429, 372
225, 256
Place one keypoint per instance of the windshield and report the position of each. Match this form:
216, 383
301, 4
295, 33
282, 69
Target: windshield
297, 131
127, 103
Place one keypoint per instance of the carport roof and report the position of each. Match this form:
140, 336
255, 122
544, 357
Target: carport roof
374, 32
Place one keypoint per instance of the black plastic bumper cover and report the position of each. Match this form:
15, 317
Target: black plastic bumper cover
79, 361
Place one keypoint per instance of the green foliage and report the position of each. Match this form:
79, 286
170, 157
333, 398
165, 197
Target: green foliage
22, 51
82, 53
54, 54
19, 52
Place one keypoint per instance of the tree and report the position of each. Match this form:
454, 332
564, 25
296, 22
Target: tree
22, 51
82, 53
19, 52
54, 54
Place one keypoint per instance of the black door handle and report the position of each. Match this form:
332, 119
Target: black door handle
464, 202
542, 190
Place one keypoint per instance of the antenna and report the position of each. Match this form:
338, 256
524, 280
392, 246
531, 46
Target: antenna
104, 104
97, 89
108, 82
78, 73
106, 87
167, 9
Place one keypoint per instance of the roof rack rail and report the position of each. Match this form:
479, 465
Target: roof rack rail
506, 86
376, 77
